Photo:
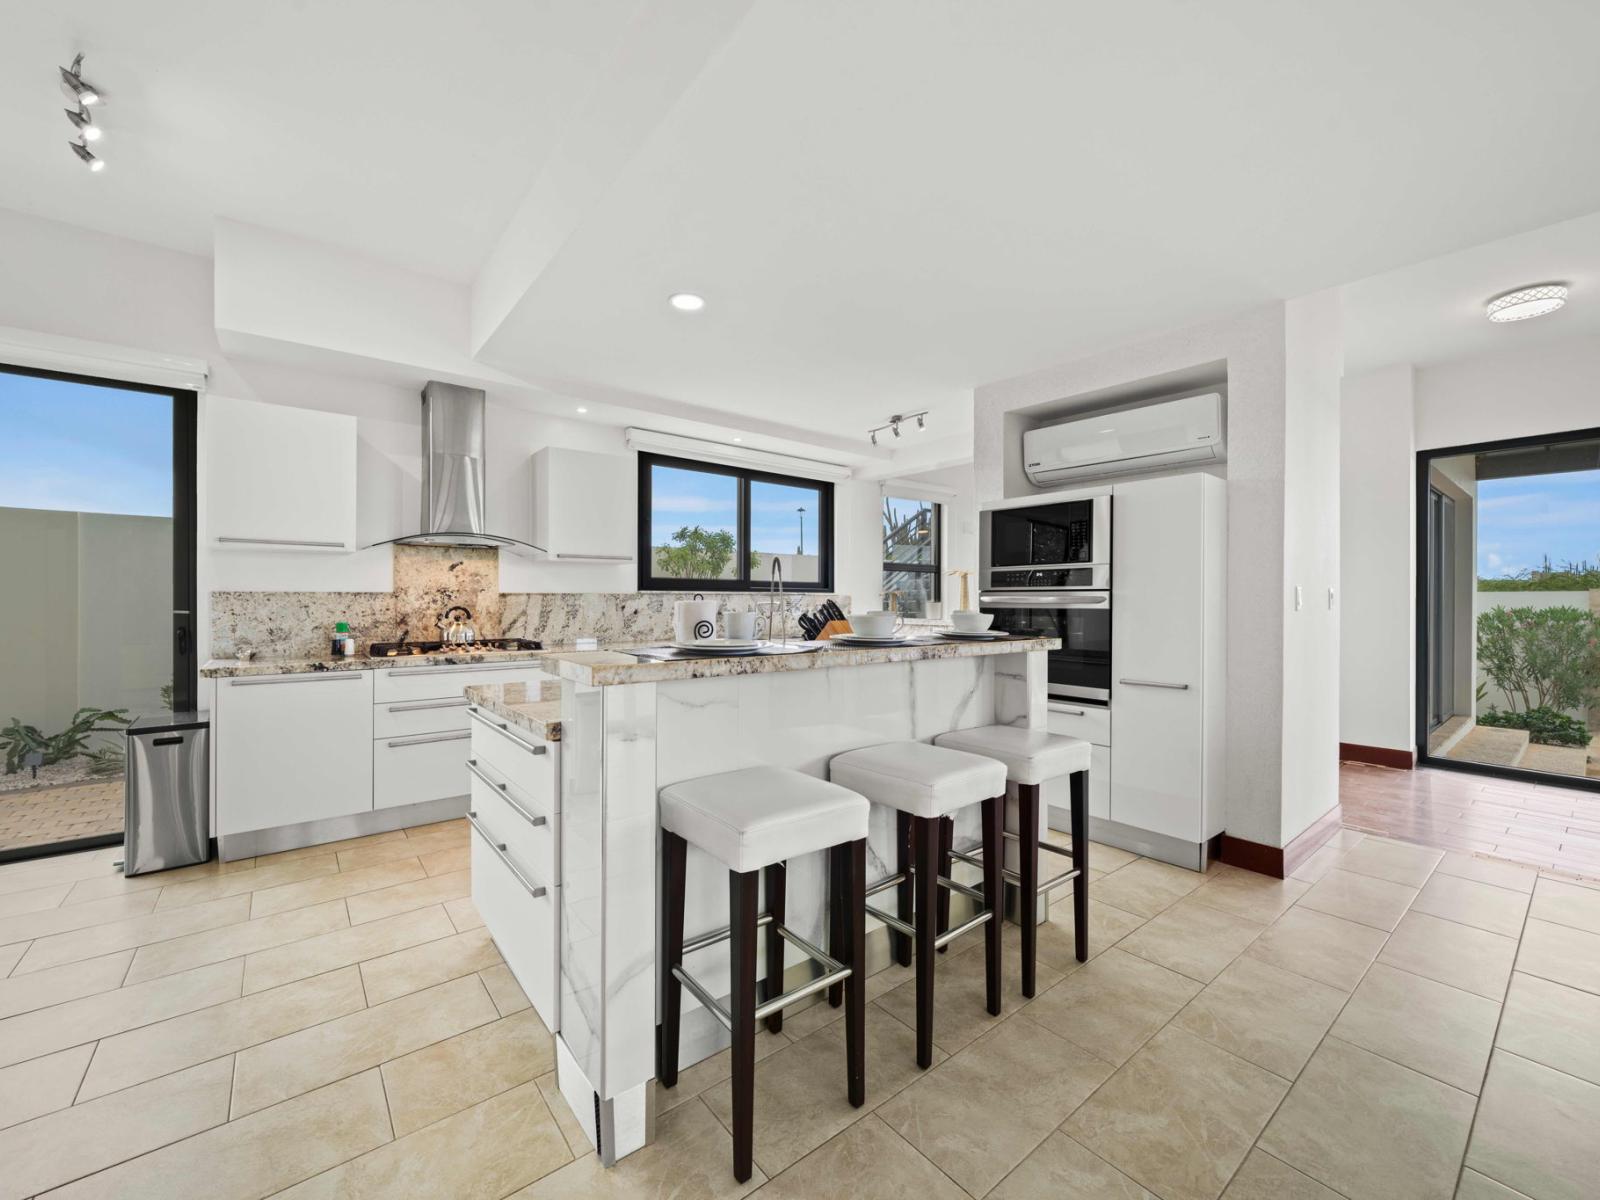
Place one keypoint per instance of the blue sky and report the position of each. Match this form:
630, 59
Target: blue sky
77, 448
679, 498
1523, 520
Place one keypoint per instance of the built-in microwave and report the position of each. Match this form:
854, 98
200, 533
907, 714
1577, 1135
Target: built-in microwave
1046, 547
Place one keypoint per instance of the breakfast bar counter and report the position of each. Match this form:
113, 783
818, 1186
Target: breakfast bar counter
631, 724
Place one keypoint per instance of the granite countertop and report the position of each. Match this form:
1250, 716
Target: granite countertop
229, 668
602, 668
537, 710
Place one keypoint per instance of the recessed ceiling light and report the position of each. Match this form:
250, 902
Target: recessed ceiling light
738, 439
1527, 302
582, 409
686, 301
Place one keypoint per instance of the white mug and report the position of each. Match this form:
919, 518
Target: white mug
876, 624
740, 626
694, 620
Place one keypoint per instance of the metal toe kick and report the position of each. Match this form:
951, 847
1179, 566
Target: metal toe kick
910, 930
833, 971
1012, 877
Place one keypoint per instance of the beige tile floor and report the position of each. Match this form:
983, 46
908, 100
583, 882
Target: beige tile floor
334, 1022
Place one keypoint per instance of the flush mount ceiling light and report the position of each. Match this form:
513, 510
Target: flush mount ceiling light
79, 88
893, 424
1526, 302
87, 155
686, 301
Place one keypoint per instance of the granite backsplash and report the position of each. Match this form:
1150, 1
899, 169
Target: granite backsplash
430, 579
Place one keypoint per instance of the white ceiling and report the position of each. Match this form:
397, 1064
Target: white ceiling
885, 203
1433, 311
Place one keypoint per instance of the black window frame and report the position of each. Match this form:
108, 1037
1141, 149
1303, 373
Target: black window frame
936, 568
744, 477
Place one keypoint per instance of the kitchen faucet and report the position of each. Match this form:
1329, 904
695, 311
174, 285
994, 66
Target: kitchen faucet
775, 594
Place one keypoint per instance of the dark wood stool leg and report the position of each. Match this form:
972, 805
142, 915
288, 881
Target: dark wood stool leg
1028, 879
903, 831
854, 902
947, 841
777, 878
836, 923
927, 921
674, 854
994, 856
1080, 860
744, 896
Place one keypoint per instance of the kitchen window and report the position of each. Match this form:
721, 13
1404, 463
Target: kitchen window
912, 556
708, 527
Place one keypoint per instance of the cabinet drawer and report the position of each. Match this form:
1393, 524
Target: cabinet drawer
443, 682
424, 766
1090, 722
529, 766
522, 925
530, 831
400, 718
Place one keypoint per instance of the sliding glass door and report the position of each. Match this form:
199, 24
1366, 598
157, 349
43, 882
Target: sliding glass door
1509, 611
97, 583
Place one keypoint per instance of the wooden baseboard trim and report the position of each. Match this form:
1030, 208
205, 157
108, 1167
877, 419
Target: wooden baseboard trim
1377, 756
1280, 862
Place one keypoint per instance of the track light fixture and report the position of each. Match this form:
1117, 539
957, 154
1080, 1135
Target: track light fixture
893, 424
79, 88
84, 124
88, 156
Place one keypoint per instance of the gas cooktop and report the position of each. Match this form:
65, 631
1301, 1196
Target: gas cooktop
416, 649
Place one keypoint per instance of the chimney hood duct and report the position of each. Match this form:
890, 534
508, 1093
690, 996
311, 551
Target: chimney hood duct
453, 506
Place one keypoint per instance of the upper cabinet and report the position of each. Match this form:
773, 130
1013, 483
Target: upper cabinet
279, 477
585, 505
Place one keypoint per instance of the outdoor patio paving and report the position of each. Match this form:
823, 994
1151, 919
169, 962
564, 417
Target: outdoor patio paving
41, 816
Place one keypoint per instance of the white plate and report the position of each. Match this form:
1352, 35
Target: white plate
720, 644
850, 639
872, 637
987, 635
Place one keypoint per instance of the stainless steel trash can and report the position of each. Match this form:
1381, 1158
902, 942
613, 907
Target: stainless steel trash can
167, 792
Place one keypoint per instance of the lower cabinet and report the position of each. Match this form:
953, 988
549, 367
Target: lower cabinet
292, 748
1092, 724
419, 767
516, 859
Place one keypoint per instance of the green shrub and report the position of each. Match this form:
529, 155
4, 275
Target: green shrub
1541, 657
20, 740
1545, 726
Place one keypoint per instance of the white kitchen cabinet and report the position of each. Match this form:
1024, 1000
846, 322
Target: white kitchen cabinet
292, 748
1168, 663
585, 505
279, 478
419, 767
1090, 723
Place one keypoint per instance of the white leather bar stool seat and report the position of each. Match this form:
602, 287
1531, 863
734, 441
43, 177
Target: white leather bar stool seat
919, 779
762, 815
1029, 755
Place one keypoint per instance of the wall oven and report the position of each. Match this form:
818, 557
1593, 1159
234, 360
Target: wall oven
1046, 547
1081, 669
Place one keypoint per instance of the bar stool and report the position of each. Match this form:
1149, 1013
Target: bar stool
924, 784
1032, 756
753, 821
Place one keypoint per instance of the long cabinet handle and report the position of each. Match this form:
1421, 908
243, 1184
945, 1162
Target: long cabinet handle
523, 664
499, 848
318, 677
422, 739
1071, 712
503, 728
505, 793
1043, 599
1177, 687
595, 557
244, 541
420, 705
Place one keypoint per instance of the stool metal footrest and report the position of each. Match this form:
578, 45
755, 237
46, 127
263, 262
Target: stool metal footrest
1012, 877
833, 971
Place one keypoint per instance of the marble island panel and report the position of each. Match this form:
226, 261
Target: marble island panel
611, 667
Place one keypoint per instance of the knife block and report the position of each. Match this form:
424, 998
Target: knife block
831, 628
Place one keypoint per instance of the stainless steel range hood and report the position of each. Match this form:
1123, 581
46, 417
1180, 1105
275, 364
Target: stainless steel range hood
453, 494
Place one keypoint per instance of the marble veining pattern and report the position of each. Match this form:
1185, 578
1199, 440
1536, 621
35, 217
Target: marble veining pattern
536, 708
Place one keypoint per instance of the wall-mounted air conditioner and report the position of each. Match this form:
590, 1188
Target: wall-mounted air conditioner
1161, 435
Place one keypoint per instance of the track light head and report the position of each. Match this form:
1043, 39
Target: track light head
894, 427
874, 436
79, 88
84, 153
84, 124
922, 421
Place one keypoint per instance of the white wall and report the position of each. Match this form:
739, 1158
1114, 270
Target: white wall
1518, 393
1378, 545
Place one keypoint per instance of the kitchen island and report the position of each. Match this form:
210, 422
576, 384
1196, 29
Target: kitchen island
630, 723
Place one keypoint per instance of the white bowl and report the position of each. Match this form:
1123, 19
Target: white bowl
970, 620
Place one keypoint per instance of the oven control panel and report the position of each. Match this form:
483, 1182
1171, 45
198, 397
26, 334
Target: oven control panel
1070, 577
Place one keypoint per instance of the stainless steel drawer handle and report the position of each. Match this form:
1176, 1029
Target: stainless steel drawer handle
503, 728
320, 677
422, 705
505, 794
1177, 687
516, 664
248, 541
499, 848
1072, 712
423, 739
595, 557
